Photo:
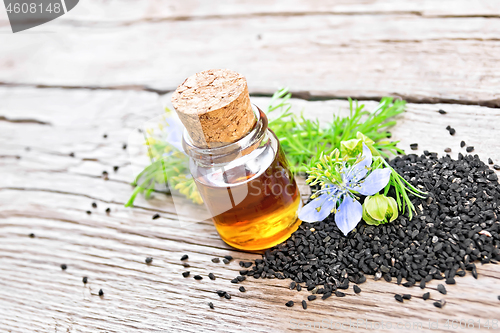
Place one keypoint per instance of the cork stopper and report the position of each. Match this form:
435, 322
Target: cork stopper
214, 106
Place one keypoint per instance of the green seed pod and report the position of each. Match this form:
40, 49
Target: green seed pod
379, 209
351, 148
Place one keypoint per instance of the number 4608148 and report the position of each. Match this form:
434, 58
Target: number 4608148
33, 8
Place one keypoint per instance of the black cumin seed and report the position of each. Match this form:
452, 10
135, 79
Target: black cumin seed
289, 304
221, 293
211, 305
215, 260
442, 111
452, 131
63, 267
311, 297
247, 264
227, 296
115, 168
356, 289
498, 298
338, 293
94, 205
293, 284
105, 136
422, 284
149, 260
299, 287
211, 276
469, 149
89, 212
108, 210
72, 154
85, 279
496, 167
198, 277
225, 261
32, 235
242, 289
407, 296
124, 146
235, 280
185, 257
244, 272
185, 264
426, 296
448, 127
474, 272
398, 298
447, 150
101, 293
462, 144
490, 161
186, 274
241, 278
228, 258
304, 305
414, 146
441, 288
326, 295
156, 216
450, 280
439, 304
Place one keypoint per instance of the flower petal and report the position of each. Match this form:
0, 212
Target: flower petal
310, 213
359, 170
348, 215
375, 181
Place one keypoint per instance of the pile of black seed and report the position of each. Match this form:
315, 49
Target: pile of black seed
457, 225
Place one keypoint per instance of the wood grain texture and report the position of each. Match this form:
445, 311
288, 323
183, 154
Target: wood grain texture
424, 51
47, 192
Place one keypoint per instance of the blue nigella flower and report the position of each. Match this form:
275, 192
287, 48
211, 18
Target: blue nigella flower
340, 197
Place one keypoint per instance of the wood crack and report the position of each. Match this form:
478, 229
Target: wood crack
24, 121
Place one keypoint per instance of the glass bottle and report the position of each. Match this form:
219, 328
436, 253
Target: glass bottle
247, 187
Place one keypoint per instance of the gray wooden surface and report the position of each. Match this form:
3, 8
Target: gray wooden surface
442, 55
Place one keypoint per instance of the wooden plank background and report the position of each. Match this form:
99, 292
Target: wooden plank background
120, 59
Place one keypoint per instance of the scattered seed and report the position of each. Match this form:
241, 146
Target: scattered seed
469, 149
439, 304
225, 261
198, 277
447, 150
105, 136
227, 296
89, 212
326, 295
339, 293
450, 280
311, 297
85, 279
242, 289
299, 287
115, 168
496, 167
94, 205
211, 305
490, 161
304, 305
422, 284
108, 210
72, 154
228, 258
462, 144
124, 146
442, 111
498, 298
156, 216
414, 146
149, 260
211, 276
407, 296
235, 280
356, 289
215, 260
63, 267
32, 235
186, 274
441, 288
426, 296
101, 293
398, 298
185, 257
289, 304
221, 293
452, 131
185, 264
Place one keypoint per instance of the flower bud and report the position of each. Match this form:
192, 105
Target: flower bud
379, 209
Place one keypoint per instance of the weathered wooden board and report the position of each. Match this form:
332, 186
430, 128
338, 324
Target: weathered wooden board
425, 51
47, 192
